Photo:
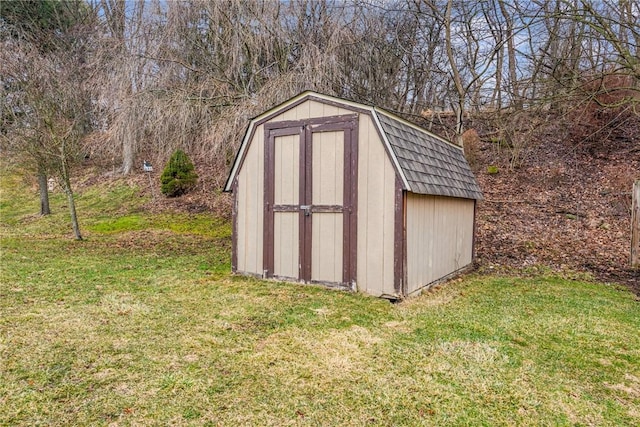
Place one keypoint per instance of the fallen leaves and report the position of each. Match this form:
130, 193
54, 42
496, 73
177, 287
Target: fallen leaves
564, 208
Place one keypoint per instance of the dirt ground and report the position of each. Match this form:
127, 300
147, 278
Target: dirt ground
566, 207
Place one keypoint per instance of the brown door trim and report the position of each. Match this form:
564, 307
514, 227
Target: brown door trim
351, 200
306, 183
474, 231
268, 221
271, 131
314, 121
305, 129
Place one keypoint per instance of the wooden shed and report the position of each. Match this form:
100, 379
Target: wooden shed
334, 192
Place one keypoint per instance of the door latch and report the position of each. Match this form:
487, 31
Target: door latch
306, 209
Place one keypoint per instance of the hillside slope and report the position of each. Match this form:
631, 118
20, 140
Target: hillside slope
566, 206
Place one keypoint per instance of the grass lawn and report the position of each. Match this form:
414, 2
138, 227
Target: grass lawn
142, 324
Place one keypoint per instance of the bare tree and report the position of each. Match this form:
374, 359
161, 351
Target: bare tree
188, 74
39, 24
470, 48
49, 104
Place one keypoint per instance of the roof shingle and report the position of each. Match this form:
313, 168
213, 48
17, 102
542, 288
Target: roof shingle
430, 165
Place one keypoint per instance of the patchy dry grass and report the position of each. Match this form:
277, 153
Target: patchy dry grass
141, 324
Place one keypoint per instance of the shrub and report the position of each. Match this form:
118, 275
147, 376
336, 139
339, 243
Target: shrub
471, 142
179, 175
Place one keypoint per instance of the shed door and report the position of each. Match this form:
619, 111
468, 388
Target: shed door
310, 183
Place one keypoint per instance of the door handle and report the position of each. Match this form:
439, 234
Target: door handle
306, 209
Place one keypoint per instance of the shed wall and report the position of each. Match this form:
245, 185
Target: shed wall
375, 204
250, 204
439, 237
376, 212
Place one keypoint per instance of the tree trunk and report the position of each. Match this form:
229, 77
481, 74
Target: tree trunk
66, 182
457, 79
44, 193
72, 210
459, 110
511, 56
635, 226
115, 14
127, 155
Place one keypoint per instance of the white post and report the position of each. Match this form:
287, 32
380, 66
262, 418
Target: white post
146, 166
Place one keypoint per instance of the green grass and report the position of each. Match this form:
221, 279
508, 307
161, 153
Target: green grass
141, 324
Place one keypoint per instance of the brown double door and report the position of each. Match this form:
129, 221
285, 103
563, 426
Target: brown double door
310, 195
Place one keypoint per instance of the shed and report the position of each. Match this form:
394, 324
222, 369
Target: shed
338, 193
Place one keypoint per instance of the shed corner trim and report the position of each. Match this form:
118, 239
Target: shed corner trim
228, 186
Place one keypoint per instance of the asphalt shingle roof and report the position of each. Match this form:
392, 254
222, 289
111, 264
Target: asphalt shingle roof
430, 165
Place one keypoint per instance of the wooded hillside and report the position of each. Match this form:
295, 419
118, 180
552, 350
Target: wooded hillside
547, 91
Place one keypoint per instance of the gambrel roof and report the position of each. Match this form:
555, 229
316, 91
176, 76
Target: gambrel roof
425, 162
430, 164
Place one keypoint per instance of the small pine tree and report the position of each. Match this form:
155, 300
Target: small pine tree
179, 175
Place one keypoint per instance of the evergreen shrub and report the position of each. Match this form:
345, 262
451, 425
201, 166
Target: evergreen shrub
179, 175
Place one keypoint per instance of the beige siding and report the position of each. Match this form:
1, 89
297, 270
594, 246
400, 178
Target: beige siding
439, 237
376, 186
310, 109
287, 170
250, 207
326, 259
327, 189
285, 244
286, 192
328, 168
